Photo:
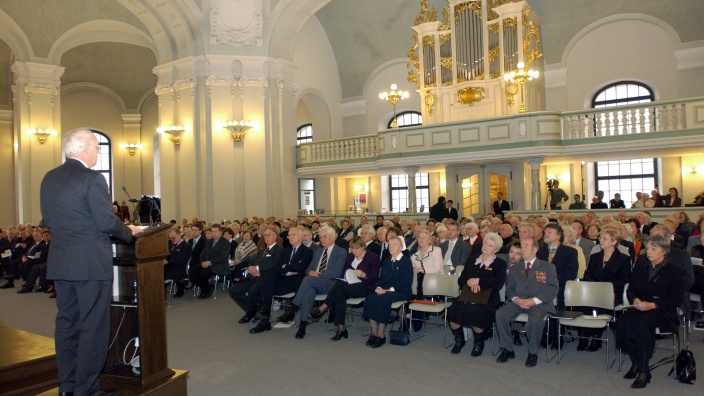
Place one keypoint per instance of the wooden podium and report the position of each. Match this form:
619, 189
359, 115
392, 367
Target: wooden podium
138, 312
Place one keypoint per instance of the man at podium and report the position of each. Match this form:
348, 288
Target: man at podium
77, 208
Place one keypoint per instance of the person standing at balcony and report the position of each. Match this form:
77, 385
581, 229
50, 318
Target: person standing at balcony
451, 211
578, 203
557, 196
617, 202
500, 205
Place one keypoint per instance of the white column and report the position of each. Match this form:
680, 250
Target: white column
535, 197
411, 172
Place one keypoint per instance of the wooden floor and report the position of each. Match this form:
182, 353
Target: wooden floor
27, 362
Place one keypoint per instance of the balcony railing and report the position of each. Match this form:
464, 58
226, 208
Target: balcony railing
515, 136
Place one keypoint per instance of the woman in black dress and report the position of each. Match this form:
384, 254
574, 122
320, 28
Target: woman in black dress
655, 291
394, 284
607, 265
488, 271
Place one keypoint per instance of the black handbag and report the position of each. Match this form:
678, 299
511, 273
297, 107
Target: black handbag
686, 367
400, 337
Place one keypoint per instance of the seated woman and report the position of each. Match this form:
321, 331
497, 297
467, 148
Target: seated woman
570, 238
488, 271
607, 265
427, 260
655, 290
243, 254
365, 266
394, 284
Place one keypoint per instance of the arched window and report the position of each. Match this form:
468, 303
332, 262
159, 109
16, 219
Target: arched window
304, 134
626, 177
104, 164
406, 119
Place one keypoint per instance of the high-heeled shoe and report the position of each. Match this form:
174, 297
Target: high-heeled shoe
632, 372
642, 379
371, 340
340, 335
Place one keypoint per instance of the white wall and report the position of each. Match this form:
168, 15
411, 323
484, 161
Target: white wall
379, 112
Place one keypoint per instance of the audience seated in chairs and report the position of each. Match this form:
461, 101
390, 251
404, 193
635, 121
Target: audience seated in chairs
177, 261
33, 259
244, 253
213, 261
487, 272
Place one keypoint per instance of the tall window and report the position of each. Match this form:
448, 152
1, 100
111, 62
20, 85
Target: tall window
406, 119
304, 134
621, 94
399, 192
104, 164
626, 177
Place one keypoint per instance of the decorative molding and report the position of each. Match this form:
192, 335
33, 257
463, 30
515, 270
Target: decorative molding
35, 87
411, 170
253, 80
523, 129
555, 78
163, 88
690, 58
220, 80
534, 163
184, 83
288, 84
236, 23
394, 142
353, 108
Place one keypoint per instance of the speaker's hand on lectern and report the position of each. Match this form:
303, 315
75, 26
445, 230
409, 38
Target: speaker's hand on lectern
135, 229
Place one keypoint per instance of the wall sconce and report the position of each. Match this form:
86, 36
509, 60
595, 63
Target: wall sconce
694, 171
466, 184
42, 134
519, 77
174, 132
131, 147
238, 129
360, 187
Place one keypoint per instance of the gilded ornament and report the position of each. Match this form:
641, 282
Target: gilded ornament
474, 6
445, 38
494, 27
510, 23
511, 91
445, 18
429, 41
531, 39
429, 103
425, 15
446, 62
470, 95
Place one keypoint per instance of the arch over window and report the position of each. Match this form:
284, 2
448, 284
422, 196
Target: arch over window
304, 134
104, 164
407, 119
622, 93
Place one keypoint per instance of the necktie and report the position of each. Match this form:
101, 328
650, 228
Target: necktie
323, 262
527, 268
551, 255
292, 254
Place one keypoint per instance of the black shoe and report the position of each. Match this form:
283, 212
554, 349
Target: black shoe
65, 393
459, 342
632, 372
544, 342
106, 392
478, 347
178, 294
532, 360
340, 335
517, 338
7, 285
371, 340
641, 381
53, 295
24, 290
505, 356
553, 345
315, 315
246, 318
301, 332
379, 342
262, 326
583, 344
41, 290
287, 317
204, 296
594, 346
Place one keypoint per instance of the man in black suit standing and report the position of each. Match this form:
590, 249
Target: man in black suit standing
500, 205
177, 261
74, 197
451, 211
213, 261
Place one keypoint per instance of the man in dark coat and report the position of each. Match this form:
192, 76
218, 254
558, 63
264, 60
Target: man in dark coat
76, 206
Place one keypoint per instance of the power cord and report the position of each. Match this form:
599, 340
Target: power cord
134, 360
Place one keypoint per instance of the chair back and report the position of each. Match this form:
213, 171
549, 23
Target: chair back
589, 294
440, 285
502, 293
458, 270
625, 294
696, 261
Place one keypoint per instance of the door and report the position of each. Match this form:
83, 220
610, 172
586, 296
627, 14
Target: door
479, 186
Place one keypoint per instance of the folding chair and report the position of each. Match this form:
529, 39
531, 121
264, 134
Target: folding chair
436, 285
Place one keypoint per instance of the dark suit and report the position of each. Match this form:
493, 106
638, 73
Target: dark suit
540, 283
460, 253
617, 271
76, 206
177, 261
217, 253
452, 213
374, 248
566, 264
31, 269
196, 252
321, 284
394, 273
341, 290
500, 207
614, 204
681, 260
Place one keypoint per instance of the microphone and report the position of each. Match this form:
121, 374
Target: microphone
134, 208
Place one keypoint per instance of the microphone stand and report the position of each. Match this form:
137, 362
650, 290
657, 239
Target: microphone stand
135, 215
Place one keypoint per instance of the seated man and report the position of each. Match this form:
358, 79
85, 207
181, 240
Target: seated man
213, 261
326, 265
454, 253
35, 258
246, 293
177, 261
285, 278
531, 286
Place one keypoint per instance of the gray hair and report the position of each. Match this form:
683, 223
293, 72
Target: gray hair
471, 225
329, 230
494, 237
76, 141
369, 228
659, 241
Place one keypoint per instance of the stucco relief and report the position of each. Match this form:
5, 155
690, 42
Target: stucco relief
236, 23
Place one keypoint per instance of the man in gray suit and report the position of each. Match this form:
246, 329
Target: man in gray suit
76, 206
326, 265
458, 252
213, 261
585, 244
531, 287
